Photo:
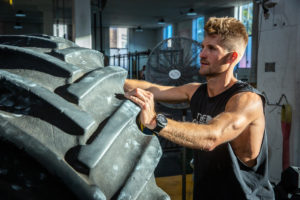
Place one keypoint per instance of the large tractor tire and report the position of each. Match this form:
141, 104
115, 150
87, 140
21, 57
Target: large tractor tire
66, 132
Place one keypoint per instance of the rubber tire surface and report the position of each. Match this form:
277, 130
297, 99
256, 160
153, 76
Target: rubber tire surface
62, 109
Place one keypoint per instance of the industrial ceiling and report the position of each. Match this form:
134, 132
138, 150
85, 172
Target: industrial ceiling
128, 13
146, 13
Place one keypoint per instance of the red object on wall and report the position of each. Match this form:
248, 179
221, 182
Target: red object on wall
286, 124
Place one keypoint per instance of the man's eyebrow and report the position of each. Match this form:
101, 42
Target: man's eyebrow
211, 45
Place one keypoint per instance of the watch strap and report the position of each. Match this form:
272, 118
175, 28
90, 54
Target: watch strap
161, 122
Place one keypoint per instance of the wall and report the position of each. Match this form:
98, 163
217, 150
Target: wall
184, 29
105, 39
279, 42
142, 41
159, 34
81, 23
138, 41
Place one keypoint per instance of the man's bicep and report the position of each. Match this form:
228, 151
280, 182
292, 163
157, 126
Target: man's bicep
241, 110
227, 126
247, 104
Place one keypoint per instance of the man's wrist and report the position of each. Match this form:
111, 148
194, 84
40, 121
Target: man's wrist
152, 124
161, 122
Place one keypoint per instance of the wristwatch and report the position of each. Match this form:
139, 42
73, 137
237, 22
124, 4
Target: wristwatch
161, 122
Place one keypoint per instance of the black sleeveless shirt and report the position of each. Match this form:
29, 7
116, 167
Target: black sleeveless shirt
219, 174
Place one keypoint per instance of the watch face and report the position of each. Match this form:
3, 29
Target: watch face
162, 119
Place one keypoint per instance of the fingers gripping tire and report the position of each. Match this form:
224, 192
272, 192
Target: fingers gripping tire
58, 107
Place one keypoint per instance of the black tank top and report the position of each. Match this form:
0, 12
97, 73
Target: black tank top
219, 174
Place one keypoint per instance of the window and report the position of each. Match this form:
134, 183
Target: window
167, 32
118, 38
244, 13
60, 30
198, 29
118, 41
198, 33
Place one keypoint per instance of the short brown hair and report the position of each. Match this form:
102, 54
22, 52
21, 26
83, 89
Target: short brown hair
229, 29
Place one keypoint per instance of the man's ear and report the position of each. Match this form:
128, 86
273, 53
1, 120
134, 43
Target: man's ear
232, 57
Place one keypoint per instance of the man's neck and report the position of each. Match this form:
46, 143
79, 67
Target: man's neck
218, 84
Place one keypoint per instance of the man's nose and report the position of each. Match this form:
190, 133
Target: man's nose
202, 54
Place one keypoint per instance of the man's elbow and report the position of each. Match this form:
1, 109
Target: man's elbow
212, 145
213, 140
209, 145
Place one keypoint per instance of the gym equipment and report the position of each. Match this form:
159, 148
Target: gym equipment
174, 62
62, 123
286, 124
289, 185
290, 179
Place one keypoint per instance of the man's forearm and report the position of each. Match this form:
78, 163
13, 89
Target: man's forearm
156, 90
190, 135
131, 84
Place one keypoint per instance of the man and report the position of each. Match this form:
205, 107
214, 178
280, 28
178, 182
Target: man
229, 136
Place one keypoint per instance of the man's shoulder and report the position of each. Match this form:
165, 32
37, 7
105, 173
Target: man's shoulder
247, 95
244, 86
190, 89
245, 100
247, 91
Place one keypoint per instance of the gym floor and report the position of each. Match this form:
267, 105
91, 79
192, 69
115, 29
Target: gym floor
173, 186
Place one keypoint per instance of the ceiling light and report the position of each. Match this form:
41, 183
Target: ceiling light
191, 12
20, 13
161, 21
139, 29
18, 25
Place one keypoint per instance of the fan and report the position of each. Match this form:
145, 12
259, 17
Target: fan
174, 62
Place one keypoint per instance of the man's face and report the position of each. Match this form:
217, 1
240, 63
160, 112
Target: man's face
213, 57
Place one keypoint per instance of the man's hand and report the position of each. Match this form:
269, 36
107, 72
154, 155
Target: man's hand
145, 100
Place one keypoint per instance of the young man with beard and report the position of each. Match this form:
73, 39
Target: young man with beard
228, 129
